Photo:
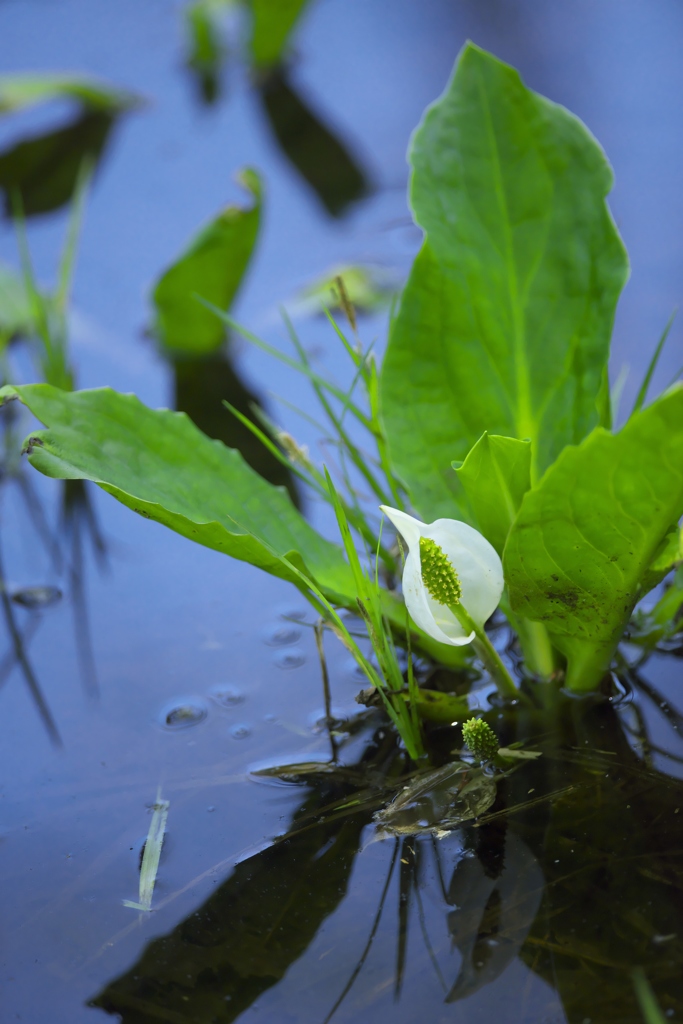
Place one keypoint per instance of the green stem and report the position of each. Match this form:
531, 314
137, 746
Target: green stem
587, 663
537, 648
487, 652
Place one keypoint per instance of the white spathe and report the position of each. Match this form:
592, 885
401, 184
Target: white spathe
476, 562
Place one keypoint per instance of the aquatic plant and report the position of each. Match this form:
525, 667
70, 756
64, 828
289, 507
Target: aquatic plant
492, 412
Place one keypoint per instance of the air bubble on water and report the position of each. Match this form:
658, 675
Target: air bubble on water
227, 696
182, 714
299, 613
35, 598
283, 635
336, 723
352, 621
355, 671
240, 732
293, 658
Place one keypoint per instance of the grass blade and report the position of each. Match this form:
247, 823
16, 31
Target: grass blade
642, 394
347, 444
270, 445
68, 259
649, 1007
150, 858
287, 360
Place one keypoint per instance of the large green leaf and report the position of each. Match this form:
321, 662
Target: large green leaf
504, 324
19, 91
589, 534
160, 464
212, 267
495, 478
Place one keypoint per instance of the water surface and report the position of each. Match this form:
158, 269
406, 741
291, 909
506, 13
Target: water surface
150, 631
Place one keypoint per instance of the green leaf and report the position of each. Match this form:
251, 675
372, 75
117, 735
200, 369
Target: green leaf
505, 322
444, 708
588, 534
495, 478
160, 465
17, 92
272, 24
668, 556
212, 267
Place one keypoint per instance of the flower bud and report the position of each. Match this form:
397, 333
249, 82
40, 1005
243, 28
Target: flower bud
480, 738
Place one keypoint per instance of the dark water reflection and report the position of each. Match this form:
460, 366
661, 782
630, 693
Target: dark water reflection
318, 155
202, 386
538, 915
43, 171
575, 871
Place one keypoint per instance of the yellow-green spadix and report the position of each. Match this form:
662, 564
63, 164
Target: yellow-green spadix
461, 568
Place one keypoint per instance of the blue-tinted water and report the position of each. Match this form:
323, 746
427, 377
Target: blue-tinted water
171, 625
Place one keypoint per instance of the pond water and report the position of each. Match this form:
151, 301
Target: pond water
151, 666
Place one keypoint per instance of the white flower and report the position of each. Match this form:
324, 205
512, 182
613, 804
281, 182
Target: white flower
477, 579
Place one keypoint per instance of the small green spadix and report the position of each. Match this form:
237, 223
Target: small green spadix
438, 575
480, 738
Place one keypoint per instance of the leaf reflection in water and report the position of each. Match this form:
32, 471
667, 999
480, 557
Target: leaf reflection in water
493, 912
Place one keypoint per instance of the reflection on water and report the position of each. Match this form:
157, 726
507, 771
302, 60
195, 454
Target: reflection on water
66, 551
79, 526
242, 941
44, 170
575, 871
202, 386
318, 155
18, 657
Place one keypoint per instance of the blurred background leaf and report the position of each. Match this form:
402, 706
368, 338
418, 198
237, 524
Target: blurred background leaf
212, 267
271, 27
206, 48
368, 289
17, 92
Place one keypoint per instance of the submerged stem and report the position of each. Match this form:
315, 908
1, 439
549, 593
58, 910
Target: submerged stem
487, 652
537, 648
